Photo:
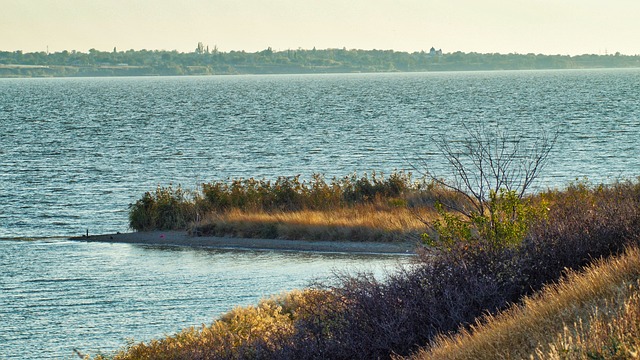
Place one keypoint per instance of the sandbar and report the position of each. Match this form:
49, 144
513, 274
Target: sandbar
182, 238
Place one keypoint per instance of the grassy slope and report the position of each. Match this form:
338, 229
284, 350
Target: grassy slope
231, 336
594, 314
363, 318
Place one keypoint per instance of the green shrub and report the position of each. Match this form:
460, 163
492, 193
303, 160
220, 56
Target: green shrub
165, 209
505, 222
368, 189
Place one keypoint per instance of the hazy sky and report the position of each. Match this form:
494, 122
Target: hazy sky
505, 26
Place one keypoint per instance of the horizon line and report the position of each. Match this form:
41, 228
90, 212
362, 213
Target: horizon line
344, 48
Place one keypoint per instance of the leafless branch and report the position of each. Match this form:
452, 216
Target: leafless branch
486, 161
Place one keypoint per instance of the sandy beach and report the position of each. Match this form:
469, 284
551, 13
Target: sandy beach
182, 238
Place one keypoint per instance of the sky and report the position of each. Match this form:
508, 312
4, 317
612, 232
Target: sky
567, 27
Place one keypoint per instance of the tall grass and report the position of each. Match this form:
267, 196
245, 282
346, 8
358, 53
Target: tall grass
444, 291
354, 207
365, 222
611, 334
234, 334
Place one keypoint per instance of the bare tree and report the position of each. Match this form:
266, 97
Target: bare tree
487, 161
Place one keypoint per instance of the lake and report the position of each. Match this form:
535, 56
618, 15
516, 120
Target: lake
74, 153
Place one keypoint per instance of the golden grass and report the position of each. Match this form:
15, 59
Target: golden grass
581, 317
366, 222
232, 335
614, 334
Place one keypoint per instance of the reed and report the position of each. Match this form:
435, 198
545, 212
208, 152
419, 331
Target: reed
360, 208
364, 222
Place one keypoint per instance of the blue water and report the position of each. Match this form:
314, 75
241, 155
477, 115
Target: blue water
58, 295
74, 153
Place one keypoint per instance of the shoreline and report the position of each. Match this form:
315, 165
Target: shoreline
181, 238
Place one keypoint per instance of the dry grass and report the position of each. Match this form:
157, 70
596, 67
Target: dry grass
235, 335
365, 222
613, 334
588, 315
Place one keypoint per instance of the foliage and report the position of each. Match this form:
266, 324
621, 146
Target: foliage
268, 61
170, 208
505, 223
166, 208
290, 193
361, 317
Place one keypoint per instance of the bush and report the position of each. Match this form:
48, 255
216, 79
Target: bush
365, 318
165, 209
505, 223
448, 289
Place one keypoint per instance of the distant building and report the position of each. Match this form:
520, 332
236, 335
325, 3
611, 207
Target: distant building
434, 52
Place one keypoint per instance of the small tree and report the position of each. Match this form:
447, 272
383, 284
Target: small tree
492, 170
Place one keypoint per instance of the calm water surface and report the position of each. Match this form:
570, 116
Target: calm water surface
74, 153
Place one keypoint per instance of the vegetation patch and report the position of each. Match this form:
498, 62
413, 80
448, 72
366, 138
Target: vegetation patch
445, 290
357, 208
491, 246
232, 336
593, 314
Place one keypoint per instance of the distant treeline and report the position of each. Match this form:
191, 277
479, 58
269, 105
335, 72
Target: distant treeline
205, 62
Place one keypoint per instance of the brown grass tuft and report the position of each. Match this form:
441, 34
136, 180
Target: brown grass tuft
366, 222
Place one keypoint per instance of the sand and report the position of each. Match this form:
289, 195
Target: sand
180, 238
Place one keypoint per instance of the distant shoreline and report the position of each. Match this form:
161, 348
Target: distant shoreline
52, 72
180, 238
328, 61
